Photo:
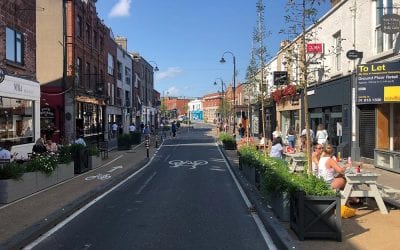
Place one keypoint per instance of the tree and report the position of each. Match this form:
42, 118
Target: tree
300, 15
255, 70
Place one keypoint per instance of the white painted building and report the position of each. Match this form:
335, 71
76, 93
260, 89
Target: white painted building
195, 109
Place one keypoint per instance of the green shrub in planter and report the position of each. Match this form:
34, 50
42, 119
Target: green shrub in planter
93, 150
64, 155
12, 170
124, 142
45, 163
228, 141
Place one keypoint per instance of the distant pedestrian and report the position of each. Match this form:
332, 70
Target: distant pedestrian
322, 135
80, 140
132, 128
173, 129
114, 128
121, 129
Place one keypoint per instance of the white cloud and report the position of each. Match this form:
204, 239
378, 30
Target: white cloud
121, 9
173, 91
169, 73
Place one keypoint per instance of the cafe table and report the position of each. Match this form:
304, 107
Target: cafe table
365, 179
296, 160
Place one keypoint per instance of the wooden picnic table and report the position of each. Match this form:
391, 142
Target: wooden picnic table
296, 161
352, 188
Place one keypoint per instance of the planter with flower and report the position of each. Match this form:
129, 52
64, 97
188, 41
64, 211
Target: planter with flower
18, 180
228, 141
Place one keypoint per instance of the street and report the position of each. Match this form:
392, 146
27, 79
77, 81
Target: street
185, 198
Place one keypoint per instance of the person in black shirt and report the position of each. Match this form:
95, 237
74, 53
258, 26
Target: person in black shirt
39, 147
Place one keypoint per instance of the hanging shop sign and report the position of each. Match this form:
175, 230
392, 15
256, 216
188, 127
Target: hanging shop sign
315, 48
2, 75
390, 23
354, 54
378, 83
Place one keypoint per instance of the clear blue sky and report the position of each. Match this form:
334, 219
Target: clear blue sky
187, 38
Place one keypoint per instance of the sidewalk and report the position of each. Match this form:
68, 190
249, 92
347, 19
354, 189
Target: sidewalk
369, 229
26, 219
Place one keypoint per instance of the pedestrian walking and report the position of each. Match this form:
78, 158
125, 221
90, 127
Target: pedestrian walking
173, 129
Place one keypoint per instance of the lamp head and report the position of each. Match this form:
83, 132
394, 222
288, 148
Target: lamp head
156, 69
215, 83
222, 60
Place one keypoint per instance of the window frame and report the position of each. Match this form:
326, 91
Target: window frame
17, 44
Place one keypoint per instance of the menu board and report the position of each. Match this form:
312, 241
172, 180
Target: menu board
378, 83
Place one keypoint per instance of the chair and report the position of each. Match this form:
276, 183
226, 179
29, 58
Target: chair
103, 148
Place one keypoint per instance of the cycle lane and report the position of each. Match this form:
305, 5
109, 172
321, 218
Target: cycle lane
25, 219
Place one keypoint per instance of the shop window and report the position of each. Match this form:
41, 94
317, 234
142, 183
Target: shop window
16, 120
79, 26
14, 51
382, 130
396, 127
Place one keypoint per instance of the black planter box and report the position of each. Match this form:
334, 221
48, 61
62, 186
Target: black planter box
136, 138
280, 204
124, 142
315, 217
229, 145
81, 160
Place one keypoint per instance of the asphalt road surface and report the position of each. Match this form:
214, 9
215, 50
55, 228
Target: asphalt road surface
185, 198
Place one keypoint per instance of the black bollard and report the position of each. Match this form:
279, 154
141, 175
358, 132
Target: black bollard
147, 146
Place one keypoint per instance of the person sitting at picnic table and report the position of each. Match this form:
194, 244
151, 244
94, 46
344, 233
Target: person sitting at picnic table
329, 169
5, 151
51, 146
80, 140
316, 155
276, 148
39, 147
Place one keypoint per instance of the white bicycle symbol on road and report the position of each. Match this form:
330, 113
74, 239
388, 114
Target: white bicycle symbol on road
101, 177
192, 164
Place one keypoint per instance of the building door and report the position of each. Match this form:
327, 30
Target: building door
367, 131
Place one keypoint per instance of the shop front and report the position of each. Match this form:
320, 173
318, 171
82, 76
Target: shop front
378, 102
19, 114
329, 104
90, 118
288, 116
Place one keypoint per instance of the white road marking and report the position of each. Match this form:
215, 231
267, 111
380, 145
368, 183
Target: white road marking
78, 212
192, 164
146, 183
101, 177
256, 218
114, 168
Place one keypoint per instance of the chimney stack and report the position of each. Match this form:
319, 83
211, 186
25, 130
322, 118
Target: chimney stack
122, 41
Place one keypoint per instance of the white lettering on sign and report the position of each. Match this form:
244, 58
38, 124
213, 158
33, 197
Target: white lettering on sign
17, 87
191, 164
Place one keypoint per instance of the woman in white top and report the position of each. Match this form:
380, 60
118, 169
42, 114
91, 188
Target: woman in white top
316, 155
328, 169
276, 148
322, 135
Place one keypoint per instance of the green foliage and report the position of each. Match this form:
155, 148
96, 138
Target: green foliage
74, 148
277, 178
45, 163
64, 155
228, 140
12, 170
249, 155
93, 150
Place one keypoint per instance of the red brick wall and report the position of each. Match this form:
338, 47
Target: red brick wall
19, 15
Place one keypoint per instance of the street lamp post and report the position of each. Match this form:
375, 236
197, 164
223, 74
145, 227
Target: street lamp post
156, 67
234, 86
222, 97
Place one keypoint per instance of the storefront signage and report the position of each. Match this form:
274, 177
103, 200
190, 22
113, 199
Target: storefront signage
391, 94
375, 83
390, 23
46, 112
2, 75
316, 48
354, 54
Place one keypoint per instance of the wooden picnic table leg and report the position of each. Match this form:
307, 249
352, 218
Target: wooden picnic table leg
378, 198
346, 193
